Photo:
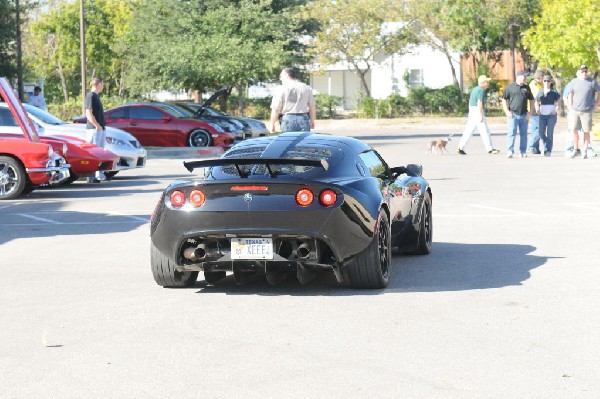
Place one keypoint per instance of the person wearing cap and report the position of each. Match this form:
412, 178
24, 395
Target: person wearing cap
476, 118
37, 100
516, 101
569, 147
546, 105
536, 84
582, 102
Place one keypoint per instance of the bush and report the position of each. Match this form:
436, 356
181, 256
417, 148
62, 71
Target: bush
326, 105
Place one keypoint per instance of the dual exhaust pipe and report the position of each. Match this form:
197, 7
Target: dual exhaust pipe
202, 252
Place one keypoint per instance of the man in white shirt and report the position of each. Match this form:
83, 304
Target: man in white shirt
295, 102
37, 100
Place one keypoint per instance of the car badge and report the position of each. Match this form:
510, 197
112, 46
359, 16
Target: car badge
247, 197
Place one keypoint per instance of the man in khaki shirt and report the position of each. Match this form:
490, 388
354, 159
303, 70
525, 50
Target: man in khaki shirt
295, 102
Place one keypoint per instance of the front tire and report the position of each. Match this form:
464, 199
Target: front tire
12, 178
425, 228
371, 268
163, 270
199, 138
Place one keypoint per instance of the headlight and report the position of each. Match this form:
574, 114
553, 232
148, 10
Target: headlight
216, 127
114, 141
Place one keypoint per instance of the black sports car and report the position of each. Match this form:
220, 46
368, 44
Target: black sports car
297, 202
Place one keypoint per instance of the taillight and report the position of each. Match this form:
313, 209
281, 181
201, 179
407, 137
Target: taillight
177, 199
197, 198
304, 197
327, 197
249, 188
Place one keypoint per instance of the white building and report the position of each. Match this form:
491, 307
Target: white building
425, 66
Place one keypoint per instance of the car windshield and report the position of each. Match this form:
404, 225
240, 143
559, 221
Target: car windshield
174, 111
214, 112
43, 115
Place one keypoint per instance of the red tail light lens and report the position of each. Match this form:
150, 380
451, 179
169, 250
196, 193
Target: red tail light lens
197, 198
327, 197
304, 197
249, 188
177, 199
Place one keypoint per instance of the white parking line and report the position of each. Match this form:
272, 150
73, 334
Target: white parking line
141, 219
39, 218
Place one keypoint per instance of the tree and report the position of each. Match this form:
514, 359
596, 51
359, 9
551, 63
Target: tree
565, 35
354, 32
8, 67
207, 44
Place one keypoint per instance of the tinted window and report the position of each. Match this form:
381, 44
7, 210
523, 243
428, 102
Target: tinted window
374, 164
145, 113
120, 113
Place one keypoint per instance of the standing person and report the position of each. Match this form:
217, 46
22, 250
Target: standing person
96, 125
476, 119
37, 100
546, 105
517, 96
583, 102
295, 102
569, 148
536, 84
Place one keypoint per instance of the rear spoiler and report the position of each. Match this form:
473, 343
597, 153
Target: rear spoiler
237, 162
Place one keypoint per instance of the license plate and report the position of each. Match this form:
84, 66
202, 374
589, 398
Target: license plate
251, 248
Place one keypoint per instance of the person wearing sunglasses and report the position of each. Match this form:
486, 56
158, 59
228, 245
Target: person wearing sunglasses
582, 101
546, 105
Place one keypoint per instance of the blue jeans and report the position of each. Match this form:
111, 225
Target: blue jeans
547, 123
534, 140
514, 123
295, 123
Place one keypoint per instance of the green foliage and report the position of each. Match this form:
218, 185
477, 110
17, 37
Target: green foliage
565, 35
327, 104
7, 39
447, 100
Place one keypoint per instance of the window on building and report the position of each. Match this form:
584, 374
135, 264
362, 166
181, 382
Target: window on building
415, 78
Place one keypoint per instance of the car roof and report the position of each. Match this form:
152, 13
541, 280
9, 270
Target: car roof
340, 152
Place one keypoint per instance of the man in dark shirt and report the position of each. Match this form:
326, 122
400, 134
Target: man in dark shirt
94, 113
514, 102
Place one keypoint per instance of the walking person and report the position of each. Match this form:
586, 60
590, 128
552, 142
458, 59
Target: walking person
96, 125
536, 84
546, 104
583, 102
515, 100
476, 118
295, 103
37, 100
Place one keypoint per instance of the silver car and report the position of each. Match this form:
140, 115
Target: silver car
129, 150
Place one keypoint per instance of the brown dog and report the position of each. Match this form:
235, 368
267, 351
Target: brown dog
437, 146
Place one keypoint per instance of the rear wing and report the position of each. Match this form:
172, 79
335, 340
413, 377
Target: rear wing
268, 162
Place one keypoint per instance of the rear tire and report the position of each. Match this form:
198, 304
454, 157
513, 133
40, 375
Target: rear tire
12, 178
199, 138
163, 270
371, 268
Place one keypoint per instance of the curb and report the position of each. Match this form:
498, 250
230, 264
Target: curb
183, 152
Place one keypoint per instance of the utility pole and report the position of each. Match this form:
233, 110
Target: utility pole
19, 53
82, 48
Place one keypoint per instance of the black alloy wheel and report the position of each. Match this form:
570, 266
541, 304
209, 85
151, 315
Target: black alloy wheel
199, 138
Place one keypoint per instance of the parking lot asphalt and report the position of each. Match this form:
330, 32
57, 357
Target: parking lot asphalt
505, 306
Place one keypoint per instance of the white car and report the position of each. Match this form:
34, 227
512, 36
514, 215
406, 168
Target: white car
129, 150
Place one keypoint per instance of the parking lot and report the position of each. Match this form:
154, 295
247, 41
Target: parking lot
505, 306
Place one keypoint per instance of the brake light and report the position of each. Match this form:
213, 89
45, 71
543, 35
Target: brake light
327, 197
197, 198
249, 188
304, 197
177, 199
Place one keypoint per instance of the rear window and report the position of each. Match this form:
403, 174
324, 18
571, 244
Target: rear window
261, 170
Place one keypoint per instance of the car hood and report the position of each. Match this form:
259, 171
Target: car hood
79, 130
212, 99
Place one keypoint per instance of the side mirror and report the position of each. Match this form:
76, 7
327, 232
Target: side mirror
166, 118
414, 169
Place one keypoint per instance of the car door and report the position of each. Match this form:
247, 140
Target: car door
152, 126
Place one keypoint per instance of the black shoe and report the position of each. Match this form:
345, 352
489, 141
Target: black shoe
535, 151
493, 151
93, 181
461, 152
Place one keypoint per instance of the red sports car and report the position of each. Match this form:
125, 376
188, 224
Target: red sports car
159, 125
85, 158
25, 162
